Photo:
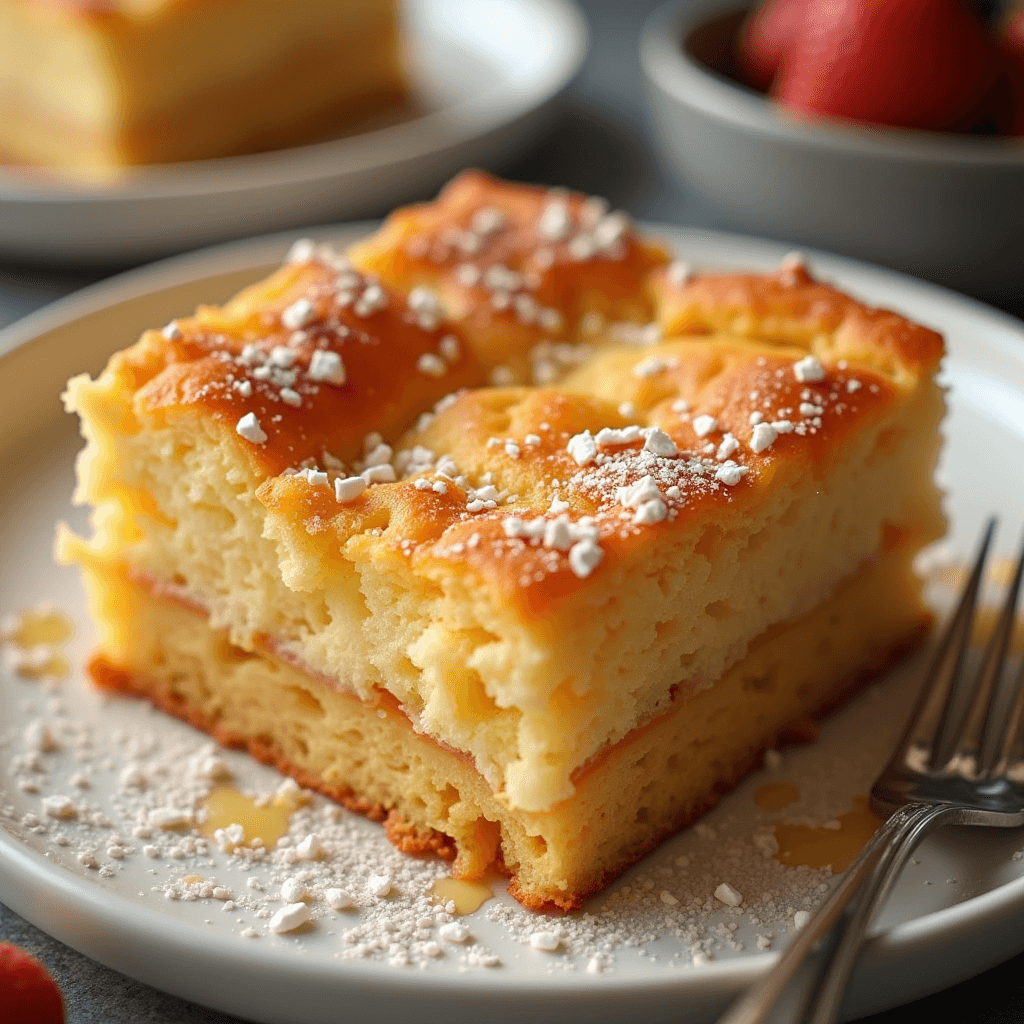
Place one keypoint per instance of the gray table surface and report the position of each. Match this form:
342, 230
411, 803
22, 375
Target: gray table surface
601, 143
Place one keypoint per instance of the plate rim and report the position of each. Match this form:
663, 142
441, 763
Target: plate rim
24, 867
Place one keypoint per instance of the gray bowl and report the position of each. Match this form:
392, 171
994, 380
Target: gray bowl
946, 207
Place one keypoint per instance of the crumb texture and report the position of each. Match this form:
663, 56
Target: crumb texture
507, 478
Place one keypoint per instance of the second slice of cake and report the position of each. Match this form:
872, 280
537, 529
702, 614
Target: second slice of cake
535, 626
87, 87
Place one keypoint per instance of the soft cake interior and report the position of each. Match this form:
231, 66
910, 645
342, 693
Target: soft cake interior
536, 627
430, 797
469, 667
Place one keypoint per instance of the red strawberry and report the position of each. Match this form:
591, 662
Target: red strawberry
905, 63
765, 37
28, 994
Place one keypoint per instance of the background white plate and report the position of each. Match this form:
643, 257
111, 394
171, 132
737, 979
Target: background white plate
932, 935
483, 71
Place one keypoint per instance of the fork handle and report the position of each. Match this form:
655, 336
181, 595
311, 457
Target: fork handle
872, 876
913, 823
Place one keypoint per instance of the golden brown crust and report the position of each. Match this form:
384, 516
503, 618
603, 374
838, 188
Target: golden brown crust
223, 365
728, 380
731, 354
525, 281
790, 307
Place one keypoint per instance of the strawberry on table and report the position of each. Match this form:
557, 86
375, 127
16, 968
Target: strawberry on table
904, 63
28, 995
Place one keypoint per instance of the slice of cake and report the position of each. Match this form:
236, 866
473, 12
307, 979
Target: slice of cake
534, 626
100, 84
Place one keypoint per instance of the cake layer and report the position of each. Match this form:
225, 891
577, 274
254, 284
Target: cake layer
366, 754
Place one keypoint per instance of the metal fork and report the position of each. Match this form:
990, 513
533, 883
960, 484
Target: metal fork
951, 766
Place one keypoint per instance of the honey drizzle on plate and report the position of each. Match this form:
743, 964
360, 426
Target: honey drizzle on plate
38, 634
776, 795
818, 847
226, 806
467, 896
42, 626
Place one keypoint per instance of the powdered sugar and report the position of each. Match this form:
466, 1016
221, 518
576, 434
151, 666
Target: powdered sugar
249, 427
300, 313
326, 366
704, 425
584, 557
763, 437
334, 887
290, 917
808, 369
582, 447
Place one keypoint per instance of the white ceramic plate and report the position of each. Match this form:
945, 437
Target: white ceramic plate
955, 913
483, 71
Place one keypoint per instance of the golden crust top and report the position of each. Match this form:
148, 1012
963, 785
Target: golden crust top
317, 355
357, 395
518, 266
616, 483
790, 307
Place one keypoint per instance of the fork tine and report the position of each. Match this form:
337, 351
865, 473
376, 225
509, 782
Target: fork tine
971, 744
980, 736
929, 719
963, 736
1011, 744
931, 709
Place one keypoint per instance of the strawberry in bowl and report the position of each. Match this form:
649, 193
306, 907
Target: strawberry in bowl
879, 129
925, 64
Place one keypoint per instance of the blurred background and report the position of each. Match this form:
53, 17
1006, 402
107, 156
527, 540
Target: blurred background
665, 139
659, 134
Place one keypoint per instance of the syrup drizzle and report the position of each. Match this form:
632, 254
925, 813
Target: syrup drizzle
467, 896
805, 846
226, 806
38, 635
42, 626
776, 795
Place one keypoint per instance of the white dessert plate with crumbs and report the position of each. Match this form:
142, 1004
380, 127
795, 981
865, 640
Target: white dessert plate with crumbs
91, 850
483, 73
